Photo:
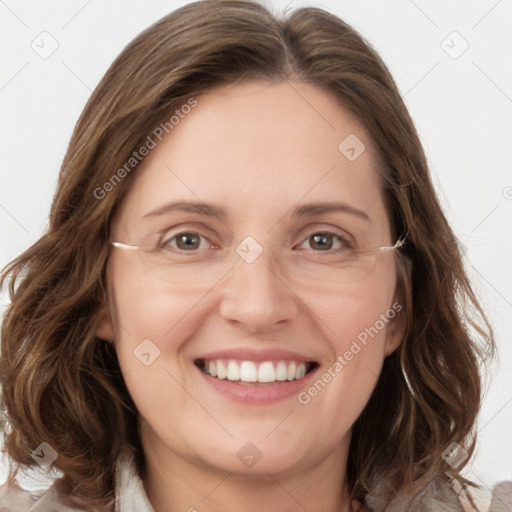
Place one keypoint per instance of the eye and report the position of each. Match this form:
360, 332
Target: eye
325, 241
187, 241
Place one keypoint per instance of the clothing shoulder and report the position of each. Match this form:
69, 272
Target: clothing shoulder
129, 490
474, 499
484, 500
14, 498
438, 496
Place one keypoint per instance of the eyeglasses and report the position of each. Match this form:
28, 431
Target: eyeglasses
204, 267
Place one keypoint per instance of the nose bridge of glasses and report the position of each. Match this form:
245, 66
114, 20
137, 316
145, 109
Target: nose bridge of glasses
254, 252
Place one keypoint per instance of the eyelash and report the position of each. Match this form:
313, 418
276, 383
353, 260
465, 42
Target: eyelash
343, 240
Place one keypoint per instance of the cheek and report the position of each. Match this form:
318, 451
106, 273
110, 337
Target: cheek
152, 324
150, 318
359, 313
146, 304
356, 323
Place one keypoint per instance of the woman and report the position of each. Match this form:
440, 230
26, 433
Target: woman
248, 295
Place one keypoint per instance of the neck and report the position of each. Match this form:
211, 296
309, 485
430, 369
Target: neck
176, 484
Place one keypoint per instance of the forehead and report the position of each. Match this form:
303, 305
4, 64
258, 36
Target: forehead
259, 149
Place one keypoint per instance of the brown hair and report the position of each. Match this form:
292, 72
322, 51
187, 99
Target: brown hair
62, 385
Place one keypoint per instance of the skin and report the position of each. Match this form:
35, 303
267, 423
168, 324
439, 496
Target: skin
258, 149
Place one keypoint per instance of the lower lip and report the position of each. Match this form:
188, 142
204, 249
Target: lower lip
258, 394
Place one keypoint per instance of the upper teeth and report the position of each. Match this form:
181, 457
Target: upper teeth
249, 371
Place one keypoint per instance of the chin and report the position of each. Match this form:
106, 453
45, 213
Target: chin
256, 458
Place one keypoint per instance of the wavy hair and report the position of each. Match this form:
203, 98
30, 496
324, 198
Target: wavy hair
62, 385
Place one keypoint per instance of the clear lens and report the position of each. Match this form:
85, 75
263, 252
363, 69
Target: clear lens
206, 266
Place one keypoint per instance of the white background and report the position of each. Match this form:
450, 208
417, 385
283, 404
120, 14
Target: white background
462, 107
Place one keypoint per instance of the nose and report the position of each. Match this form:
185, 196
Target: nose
256, 297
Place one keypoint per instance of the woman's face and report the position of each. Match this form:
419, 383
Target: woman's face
263, 292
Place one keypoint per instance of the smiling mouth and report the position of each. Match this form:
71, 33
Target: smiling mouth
251, 373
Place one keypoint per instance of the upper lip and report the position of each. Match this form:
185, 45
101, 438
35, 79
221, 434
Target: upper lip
256, 355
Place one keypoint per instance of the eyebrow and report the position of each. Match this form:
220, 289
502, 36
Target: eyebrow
211, 210
199, 208
310, 209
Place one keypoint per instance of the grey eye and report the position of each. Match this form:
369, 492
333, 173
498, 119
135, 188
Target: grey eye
322, 241
325, 241
186, 241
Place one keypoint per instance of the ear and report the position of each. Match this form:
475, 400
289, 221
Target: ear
395, 330
105, 327
397, 327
